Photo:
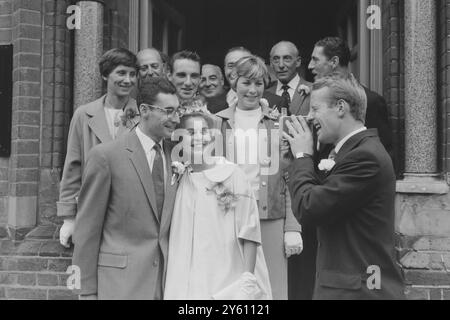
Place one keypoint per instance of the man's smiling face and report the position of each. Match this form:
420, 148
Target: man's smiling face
324, 116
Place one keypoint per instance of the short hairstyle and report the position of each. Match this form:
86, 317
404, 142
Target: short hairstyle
251, 67
151, 87
185, 54
113, 58
347, 88
335, 47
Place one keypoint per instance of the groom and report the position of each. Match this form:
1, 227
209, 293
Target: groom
353, 207
126, 203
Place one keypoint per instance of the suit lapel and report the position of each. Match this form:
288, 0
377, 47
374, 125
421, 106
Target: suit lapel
97, 122
139, 161
298, 105
170, 193
351, 143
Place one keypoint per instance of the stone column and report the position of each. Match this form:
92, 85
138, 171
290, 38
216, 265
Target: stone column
422, 202
88, 50
421, 100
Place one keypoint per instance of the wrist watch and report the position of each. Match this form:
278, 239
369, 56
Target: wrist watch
300, 155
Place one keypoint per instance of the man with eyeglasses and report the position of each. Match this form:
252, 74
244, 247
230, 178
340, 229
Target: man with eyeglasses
285, 61
126, 203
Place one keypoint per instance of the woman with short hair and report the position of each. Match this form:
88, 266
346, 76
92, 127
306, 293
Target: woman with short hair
253, 142
97, 122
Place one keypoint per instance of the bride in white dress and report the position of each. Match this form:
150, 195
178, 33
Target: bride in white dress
215, 240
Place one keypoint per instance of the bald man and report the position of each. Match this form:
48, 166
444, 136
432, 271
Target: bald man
150, 63
285, 61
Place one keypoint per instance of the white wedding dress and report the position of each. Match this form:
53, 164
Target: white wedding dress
206, 243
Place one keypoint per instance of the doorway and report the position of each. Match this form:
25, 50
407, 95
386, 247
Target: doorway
214, 26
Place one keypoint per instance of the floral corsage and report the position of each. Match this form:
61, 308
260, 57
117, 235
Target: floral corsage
178, 169
304, 90
225, 197
130, 118
326, 165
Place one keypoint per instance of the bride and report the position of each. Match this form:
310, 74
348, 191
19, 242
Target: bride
215, 240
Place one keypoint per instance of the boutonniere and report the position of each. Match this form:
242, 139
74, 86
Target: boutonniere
326, 165
178, 169
304, 90
130, 118
225, 197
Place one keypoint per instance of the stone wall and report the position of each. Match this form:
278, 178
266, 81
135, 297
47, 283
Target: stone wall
422, 220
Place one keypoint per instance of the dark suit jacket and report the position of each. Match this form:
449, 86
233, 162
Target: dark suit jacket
377, 116
300, 102
275, 100
353, 210
217, 104
121, 243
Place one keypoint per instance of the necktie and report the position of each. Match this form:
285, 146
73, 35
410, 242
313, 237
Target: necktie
286, 94
158, 178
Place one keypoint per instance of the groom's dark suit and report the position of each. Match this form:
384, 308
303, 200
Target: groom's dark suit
353, 209
121, 243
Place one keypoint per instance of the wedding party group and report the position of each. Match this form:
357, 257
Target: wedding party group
192, 181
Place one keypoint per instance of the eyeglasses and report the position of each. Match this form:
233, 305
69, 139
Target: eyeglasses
170, 112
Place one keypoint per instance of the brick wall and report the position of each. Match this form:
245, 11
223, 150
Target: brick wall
5, 38
56, 105
24, 161
35, 269
393, 72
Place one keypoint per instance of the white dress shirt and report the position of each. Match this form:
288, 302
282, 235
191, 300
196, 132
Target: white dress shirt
347, 137
148, 144
293, 84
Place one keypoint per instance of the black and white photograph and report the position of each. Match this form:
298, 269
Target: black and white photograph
234, 152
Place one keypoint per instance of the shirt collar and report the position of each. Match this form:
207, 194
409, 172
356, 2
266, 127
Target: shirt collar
146, 141
293, 84
347, 137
